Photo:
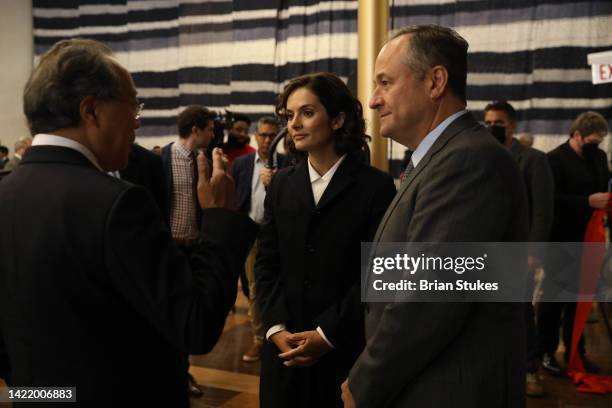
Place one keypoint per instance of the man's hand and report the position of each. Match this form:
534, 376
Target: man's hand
347, 397
265, 175
599, 200
310, 348
217, 190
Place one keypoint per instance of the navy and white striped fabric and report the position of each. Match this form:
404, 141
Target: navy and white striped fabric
218, 53
532, 53
237, 54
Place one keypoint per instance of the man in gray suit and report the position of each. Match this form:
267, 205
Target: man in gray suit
461, 186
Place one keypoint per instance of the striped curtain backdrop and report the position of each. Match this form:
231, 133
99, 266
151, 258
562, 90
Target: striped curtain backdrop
532, 53
238, 54
222, 54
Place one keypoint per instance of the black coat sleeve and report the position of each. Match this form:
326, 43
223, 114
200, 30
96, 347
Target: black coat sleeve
540, 185
186, 300
157, 185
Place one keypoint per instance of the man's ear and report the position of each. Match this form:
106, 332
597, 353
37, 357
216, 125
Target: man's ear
439, 81
576, 133
87, 110
338, 121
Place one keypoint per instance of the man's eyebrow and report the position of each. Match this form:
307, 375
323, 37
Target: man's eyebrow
380, 75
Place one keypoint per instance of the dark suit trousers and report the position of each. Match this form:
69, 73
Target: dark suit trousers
531, 339
550, 317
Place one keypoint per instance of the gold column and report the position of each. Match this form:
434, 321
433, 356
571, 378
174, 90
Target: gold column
372, 30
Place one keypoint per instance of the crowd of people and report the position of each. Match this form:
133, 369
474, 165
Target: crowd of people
114, 257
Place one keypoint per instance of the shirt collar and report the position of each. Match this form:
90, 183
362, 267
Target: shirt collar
258, 159
181, 150
314, 176
431, 137
43, 139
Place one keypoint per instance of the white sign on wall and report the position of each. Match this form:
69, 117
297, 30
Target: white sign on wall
601, 66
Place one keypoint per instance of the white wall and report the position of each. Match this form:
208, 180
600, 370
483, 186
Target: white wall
16, 51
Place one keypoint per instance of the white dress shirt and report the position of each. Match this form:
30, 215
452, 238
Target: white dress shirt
431, 137
43, 139
258, 191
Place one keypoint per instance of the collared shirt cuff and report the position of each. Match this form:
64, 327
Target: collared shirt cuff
320, 331
275, 329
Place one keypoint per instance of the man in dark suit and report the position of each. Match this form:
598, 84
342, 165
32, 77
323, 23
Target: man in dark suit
581, 175
145, 169
461, 186
91, 284
500, 118
252, 177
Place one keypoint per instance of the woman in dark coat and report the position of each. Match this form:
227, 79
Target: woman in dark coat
308, 265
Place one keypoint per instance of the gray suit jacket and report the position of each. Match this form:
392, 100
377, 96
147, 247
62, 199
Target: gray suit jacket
540, 185
467, 188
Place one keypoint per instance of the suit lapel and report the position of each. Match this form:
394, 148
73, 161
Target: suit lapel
167, 163
300, 183
249, 171
458, 125
342, 179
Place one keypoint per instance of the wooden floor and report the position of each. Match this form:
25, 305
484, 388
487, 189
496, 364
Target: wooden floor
229, 382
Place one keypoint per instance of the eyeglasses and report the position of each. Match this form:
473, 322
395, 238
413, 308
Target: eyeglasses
139, 109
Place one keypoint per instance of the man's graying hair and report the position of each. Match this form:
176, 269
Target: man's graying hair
589, 122
67, 73
432, 45
268, 120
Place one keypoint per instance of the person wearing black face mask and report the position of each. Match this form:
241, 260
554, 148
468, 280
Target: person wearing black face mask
589, 150
581, 177
500, 119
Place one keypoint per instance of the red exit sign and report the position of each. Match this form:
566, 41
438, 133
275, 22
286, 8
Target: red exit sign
602, 73
601, 66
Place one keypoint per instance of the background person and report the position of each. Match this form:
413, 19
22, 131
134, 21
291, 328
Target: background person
538, 178
581, 175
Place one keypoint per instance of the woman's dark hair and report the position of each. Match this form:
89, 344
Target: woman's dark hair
335, 97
